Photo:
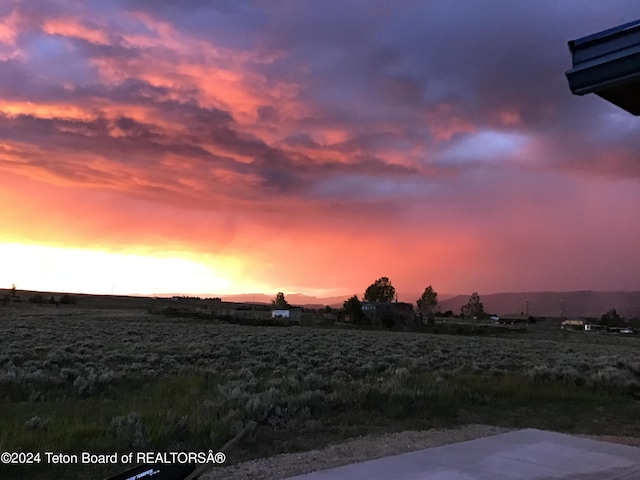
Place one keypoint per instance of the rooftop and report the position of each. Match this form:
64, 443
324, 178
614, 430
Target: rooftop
607, 63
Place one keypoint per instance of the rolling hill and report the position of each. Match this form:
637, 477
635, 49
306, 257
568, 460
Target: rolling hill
554, 304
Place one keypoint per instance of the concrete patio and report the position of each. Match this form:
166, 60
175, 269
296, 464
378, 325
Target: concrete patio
520, 455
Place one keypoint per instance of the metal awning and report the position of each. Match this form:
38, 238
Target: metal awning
608, 64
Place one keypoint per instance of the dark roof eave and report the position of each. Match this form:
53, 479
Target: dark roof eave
608, 64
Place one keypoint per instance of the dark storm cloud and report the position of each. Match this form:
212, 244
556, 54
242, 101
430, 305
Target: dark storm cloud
484, 58
227, 23
380, 70
13, 78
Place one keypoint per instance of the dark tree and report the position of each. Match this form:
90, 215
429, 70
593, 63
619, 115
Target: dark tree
611, 319
427, 304
37, 299
380, 291
353, 308
280, 303
68, 300
474, 307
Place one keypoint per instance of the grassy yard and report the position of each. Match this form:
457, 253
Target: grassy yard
75, 379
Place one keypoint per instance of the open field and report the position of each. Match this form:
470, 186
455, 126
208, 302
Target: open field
102, 380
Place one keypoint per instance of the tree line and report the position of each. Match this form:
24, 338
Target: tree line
382, 291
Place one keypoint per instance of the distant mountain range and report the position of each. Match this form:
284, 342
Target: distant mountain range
297, 299
554, 304
585, 303
542, 304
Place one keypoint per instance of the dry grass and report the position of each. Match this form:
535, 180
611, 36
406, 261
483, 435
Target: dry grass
115, 379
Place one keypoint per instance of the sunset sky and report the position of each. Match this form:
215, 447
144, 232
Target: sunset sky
217, 147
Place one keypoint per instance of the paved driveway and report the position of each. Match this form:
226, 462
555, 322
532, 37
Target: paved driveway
521, 455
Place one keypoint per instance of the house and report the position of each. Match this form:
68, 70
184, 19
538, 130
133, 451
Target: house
590, 327
291, 313
575, 324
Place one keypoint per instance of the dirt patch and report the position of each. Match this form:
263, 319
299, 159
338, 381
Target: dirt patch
352, 451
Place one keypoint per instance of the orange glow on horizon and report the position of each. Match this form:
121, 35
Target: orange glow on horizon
45, 268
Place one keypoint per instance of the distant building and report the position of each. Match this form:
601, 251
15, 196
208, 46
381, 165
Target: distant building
280, 314
589, 327
574, 324
291, 313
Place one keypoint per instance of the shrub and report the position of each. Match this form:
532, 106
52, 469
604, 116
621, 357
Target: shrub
37, 299
130, 431
37, 423
68, 300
